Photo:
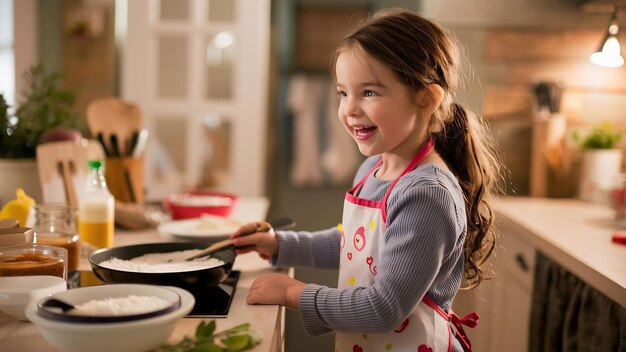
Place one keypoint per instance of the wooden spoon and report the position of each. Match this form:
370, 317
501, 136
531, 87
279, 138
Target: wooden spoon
51, 158
66, 170
261, 226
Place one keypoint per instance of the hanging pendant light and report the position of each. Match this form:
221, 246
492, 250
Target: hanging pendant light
609, 53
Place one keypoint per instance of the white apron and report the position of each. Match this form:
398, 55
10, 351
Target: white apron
363, 230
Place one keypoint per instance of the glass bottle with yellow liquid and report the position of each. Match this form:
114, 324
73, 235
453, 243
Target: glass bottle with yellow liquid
96, 209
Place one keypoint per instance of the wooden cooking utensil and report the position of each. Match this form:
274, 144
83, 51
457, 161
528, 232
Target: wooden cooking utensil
140, 144
66, 170
62, 168
113, 116
262, 226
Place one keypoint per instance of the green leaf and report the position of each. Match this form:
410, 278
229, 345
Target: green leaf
205, 330
236, 342
242, 327
185, 344
235, 330
603, 136
237, 338
206, 347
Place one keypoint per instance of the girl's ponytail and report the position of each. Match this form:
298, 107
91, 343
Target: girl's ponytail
469, 153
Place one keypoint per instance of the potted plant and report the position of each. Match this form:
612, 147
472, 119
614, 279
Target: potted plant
45, 115
601, 162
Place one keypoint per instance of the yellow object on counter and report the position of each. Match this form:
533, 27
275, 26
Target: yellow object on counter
18, 208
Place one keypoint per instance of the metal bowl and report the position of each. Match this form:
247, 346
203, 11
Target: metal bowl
194, 280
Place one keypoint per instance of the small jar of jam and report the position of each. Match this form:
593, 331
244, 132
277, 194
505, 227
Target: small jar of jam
32, 259
55, 225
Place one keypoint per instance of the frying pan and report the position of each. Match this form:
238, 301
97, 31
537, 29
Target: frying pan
193, 281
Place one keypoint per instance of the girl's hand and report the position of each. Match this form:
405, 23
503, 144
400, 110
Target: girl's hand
276, 289
265, 243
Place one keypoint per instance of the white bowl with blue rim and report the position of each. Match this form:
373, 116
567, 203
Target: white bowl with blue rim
121, 333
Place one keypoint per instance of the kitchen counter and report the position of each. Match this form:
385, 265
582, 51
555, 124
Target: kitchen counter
268, 319
574, 234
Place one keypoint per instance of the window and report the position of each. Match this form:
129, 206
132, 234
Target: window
7, 58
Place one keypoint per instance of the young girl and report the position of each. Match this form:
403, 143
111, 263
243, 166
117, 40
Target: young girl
417, 223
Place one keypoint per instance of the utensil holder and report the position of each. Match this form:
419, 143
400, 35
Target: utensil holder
547, 154
125, 178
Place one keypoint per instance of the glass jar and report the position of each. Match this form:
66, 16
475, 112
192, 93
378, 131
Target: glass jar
55, 225
33, 259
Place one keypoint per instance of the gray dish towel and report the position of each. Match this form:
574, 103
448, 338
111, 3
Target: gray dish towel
569, 315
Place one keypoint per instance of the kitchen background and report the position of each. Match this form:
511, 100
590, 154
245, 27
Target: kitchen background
287, 145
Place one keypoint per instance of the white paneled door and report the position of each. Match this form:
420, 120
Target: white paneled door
199, 71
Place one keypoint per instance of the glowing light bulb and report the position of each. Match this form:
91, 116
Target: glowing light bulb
610, 55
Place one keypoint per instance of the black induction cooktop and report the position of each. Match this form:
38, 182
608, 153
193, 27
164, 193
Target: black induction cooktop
214, 302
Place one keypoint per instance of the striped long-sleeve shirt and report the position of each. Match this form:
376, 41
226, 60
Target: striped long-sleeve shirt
423, 255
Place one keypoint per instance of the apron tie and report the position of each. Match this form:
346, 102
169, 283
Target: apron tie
470, 320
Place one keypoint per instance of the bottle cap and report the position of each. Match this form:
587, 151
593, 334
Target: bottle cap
94, 164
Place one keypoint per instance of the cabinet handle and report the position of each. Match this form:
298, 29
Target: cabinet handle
521, 262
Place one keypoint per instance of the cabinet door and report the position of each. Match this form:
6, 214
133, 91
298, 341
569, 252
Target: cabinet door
482, 301
199, 71
504, 301
512, 320
513, 297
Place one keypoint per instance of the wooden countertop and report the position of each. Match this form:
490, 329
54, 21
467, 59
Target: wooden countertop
268, 319
574, 234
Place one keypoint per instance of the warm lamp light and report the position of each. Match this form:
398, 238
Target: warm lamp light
609, 54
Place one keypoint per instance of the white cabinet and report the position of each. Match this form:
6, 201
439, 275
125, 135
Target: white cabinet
503, 302
511, 328
513, 296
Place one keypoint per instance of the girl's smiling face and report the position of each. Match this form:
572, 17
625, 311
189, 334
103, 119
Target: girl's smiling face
377, 109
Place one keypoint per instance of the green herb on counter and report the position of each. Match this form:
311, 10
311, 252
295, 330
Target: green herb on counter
238, 338
46, 105
603, 136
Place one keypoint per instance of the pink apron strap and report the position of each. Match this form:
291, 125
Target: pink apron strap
421, 154
470, 320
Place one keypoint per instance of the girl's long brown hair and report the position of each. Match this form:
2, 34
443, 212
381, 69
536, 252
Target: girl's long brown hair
421, 53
